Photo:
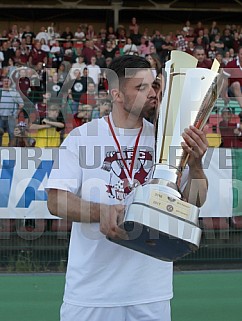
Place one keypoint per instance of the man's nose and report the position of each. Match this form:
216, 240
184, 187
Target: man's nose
152, 92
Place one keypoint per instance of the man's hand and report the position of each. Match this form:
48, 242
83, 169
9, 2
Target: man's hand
110, 218
195, 145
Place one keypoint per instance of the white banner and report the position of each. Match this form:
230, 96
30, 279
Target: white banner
24, 173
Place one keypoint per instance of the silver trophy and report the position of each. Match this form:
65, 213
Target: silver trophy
158, 221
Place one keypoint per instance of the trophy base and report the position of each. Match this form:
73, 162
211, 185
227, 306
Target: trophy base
170, 240
156, 231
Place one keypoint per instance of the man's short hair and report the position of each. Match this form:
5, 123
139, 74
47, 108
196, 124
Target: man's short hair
119, 65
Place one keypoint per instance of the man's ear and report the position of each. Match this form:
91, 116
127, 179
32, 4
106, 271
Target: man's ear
117, 95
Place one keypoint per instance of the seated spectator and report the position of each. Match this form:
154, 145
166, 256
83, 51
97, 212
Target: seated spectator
238, 132
83, 115
90, 33
56, 55
79, 64
89, 51
103, 108
37, 55
233, 70
200, 54
226, 127
109, 51
21, 136
129, 48
48, 128
100, 60
79, 33
67, 34
28, 33
144, 48
42, 34
90, 97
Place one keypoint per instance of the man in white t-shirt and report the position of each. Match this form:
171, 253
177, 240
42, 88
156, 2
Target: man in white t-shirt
89, 184
94, 71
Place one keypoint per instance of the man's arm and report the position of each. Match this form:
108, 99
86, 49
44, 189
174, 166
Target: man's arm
195, 145
69, 206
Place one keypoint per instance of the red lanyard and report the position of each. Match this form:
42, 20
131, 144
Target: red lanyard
129, 170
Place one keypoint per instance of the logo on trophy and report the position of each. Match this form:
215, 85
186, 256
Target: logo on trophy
158, 221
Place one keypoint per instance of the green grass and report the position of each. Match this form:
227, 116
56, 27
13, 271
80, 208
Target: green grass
209, 296
30, 298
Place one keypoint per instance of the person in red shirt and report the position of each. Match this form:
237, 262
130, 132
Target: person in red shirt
227, 127
238, 132
90, 96
203, 62
82, 116
233, 71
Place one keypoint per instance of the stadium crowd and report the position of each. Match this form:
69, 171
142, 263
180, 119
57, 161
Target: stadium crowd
66, 71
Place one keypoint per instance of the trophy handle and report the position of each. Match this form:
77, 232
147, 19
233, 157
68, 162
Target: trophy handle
203, 114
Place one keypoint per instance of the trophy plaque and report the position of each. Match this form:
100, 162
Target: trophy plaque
159, 223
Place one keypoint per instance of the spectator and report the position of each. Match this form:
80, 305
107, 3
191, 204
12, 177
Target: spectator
190, 48
144, 48
62, 73
212, 51
155, 63
79, 33
28, 33
233, 71
21, 136
67, 34
100, 60
89, 97
133, 25
238, 132
167, 46
227, 39
181, 43
103, 108
89, 51
10, 105
56, 55
90, 34
94, 70
219, 44
157, 41
129, 48
83, 115
136, 36
214, 30
37, 55
76, 91
226, 128
203, 62
48, 128
42, 35
7, 53
86, 79
80, 65
109, 51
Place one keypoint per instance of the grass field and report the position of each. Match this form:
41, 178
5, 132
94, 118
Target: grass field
199, 296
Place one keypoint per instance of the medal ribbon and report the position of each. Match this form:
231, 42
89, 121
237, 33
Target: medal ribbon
129, 170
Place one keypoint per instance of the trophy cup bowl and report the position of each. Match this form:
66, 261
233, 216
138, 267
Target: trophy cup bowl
159, 223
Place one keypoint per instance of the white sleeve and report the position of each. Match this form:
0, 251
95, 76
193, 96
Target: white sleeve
66, 173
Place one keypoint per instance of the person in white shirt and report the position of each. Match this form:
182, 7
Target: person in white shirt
94, 71
89, 186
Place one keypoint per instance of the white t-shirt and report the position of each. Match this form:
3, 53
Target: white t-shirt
101, 273
94, 72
